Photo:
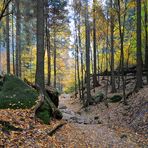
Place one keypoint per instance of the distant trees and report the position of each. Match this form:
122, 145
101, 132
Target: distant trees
57, 20
106, 42
23, 39
118, 56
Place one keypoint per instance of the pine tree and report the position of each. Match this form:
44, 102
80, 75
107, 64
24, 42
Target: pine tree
87, 44
7, 41
18, 39
139, 52
40, 44
112, 47
57, 19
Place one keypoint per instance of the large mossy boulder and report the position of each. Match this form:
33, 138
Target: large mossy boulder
16, 94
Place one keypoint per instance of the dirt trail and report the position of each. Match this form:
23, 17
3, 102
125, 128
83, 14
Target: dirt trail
83, 131
70, 103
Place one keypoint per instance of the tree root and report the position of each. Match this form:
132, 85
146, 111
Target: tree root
42, 98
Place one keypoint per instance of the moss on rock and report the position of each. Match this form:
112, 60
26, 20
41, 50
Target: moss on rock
115, 98
98, 98
16, 94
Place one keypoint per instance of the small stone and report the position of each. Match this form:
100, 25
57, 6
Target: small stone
61, 106
99, 122
96, 117
80, 121
86, 121
123, 136
79, 113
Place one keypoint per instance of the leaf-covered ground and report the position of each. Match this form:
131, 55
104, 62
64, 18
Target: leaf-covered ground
121, 126
33, 135
95, 136
74, 135
71, 135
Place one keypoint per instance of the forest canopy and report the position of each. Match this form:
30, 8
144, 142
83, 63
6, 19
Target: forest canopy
79, 39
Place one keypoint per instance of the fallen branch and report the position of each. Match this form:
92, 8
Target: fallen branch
8, 127
53, 131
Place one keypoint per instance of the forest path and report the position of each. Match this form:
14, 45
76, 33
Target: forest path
72, 111
85, 131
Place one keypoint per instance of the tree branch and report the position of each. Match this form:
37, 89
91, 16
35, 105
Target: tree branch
5, 5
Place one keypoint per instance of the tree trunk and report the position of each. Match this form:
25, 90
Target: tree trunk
121, 32
13, 52
18, 41
55, 57
77, 57
113, 89
139, 52
7, 41
94, 44
75, 75
82, 66
40, 45
146, 38
107, 77
48, 53
0, 55
44, 97
49, 61
87, 29
78, 72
